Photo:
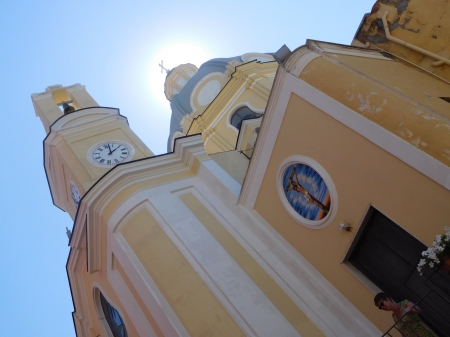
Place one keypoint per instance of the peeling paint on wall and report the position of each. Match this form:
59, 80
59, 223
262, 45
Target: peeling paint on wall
416, 141
397, 97
446, 153
428, 117
406, 133
425, 24
444, 125
416, 111
365, 105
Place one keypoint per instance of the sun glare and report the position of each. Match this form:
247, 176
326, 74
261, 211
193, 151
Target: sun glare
173, 55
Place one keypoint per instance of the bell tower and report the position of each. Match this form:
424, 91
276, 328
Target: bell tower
84, 141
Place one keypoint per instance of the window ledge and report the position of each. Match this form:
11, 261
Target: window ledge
361, 277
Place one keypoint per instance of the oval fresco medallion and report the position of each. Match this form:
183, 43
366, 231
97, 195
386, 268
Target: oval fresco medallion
306, 192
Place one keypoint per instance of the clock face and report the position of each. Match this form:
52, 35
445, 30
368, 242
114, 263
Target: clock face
75, 195
110, 153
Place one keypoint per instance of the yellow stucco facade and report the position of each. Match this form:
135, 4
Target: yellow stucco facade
250, 85
204, 240
422, 24
377, 179
387, 93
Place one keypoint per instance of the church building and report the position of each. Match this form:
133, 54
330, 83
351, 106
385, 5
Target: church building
296, 186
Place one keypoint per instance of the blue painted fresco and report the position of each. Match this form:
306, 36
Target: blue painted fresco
306, 192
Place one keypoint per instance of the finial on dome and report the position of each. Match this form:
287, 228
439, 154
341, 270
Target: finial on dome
162, 68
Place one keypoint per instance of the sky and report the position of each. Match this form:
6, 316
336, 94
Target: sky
113, 48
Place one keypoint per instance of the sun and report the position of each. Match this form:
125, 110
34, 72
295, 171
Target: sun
173, 55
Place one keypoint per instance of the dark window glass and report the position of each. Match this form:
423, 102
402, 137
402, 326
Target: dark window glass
113, 318
243, 114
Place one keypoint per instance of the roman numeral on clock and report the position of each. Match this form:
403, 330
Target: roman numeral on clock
110, 153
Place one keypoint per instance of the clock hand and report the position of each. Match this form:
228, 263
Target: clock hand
115, 149
109, 147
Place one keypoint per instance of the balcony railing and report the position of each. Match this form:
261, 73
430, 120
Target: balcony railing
407, 329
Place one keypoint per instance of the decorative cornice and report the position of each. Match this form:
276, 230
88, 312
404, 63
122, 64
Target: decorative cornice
231, 66
187, 151
321, 47
48, 91
197, 89
79, 119
286, 84
301, 56
75, 124
246, 76
248, 192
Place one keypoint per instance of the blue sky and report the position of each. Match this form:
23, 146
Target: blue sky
113, 48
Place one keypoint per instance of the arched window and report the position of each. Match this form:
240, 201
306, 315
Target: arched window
243, 114
113, 318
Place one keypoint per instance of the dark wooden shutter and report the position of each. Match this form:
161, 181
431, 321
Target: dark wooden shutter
388, 255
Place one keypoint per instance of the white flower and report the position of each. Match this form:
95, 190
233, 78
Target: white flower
441, 244
428, 252
447, 232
